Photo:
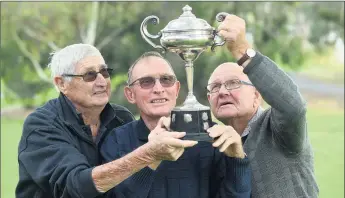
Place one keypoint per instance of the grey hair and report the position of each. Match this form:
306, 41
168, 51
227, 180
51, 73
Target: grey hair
143, 56
64, 61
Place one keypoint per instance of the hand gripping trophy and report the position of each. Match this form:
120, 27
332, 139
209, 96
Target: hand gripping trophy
188, 37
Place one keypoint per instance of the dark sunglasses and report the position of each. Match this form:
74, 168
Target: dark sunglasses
148, 82
92, 75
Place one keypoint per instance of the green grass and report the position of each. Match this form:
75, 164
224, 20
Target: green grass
326, 131
10, 135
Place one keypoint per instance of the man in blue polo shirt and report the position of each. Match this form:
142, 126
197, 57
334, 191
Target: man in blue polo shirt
218, 169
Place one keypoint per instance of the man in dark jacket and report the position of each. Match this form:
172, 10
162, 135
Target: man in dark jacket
58, 152
206, 170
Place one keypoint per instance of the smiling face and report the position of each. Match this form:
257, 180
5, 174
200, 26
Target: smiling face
157, 101
235, 103
94, 94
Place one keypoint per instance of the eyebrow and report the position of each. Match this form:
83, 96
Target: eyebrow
157, 75
91, 67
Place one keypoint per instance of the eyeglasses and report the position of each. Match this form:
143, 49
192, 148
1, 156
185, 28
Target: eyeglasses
229, 85
92, 75
148, 82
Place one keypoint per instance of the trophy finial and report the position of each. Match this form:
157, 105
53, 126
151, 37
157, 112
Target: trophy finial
187, 12
187, 8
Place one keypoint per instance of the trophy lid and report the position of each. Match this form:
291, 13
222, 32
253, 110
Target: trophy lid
187, 22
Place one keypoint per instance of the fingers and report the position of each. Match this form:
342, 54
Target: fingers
189, 143
223, 136
231, 21
229, 36
233, 31
221, 140
175, 134
226, 144
164, 122
179, 143
215, 131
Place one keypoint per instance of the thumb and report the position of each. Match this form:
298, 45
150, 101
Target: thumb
164, 122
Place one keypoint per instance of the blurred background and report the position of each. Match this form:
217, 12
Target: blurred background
305, 38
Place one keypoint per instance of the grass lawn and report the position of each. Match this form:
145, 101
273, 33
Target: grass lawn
326, 131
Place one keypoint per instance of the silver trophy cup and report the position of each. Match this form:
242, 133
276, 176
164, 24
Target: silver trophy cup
188, 37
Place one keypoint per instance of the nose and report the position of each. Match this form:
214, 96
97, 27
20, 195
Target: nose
158, 88
100, 80
223, 90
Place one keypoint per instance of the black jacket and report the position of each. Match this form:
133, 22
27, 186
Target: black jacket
57, 153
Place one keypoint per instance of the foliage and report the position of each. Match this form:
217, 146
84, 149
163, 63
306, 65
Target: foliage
284, 31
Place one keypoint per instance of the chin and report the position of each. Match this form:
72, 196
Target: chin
161, 114
224, 115
100, 103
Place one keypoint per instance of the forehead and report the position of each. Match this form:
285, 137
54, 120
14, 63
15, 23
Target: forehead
90, 62
226, 72
151, 66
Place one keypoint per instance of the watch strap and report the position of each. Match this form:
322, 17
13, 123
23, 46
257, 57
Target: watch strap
243, 59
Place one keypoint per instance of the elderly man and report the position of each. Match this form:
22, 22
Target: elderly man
201, 171
58, 151
276, 142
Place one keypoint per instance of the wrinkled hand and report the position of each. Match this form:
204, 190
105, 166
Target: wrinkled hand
233, 30
227, 140
165, 145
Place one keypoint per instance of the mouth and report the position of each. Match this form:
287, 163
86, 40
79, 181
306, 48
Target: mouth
99, 92
226, 103
158, 101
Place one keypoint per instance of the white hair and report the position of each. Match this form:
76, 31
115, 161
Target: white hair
64, 61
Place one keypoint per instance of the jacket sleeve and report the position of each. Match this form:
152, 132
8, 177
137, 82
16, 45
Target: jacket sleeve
137, 185
288, 108
233, 177
56, 165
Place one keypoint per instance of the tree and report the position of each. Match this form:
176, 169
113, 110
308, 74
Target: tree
283, 31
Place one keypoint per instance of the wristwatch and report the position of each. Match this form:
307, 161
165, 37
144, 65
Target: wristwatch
250, 53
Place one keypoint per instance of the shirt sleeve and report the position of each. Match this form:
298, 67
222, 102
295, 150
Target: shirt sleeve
233, 177
288, 108
138, 184
56, 165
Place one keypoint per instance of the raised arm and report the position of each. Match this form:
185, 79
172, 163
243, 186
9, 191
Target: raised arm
288, 113
288, 108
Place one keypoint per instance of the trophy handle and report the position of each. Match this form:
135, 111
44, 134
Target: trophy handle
219, 17
145, 34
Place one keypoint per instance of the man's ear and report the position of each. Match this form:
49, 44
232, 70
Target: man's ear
178, 86
60, 83
208, 97
129, 94
257, 99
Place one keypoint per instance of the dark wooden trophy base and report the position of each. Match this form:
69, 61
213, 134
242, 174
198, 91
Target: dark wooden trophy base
193, 122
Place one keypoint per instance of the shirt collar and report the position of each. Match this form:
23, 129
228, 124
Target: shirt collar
253, 119
143, 131
106, 116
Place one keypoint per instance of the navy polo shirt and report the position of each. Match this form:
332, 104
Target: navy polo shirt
201, 172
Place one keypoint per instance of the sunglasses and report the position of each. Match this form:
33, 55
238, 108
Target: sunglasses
148, 82
92, 75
